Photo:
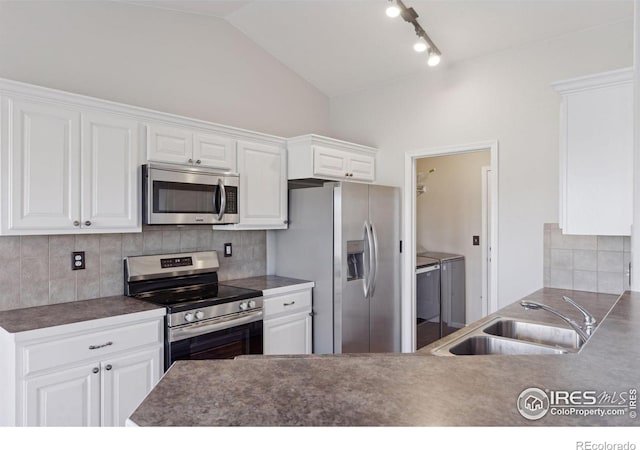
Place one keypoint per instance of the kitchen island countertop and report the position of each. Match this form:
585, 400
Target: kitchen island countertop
416, 389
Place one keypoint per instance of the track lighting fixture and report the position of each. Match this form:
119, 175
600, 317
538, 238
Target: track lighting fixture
398, 8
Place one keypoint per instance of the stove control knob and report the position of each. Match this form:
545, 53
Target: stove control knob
252, 304
244, 306
199, 315
188, 317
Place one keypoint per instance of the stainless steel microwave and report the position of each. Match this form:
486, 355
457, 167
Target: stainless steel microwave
175, 195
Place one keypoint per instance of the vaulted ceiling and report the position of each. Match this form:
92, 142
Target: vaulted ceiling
343, 45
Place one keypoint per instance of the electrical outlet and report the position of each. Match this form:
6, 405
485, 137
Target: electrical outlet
228, 249
77, 261
476, 240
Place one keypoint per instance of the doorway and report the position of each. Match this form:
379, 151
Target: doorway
450, 222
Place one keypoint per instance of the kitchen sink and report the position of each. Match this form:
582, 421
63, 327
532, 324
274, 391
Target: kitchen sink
535, 332
488, 345
510, 336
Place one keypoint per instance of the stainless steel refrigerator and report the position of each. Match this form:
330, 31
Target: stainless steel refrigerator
346, 238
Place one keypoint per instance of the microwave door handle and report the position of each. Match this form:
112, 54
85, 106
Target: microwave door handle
223, 199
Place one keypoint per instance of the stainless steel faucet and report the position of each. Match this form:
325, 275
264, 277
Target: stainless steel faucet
589, 320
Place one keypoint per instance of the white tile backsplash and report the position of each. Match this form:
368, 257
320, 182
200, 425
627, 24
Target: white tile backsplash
585, 263
36, 270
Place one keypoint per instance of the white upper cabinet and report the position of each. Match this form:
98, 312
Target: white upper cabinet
71, 164
313, 156
183, 145
170, 145
596, 154
67, 169
40, 166
215, 151
109, 188
263, 186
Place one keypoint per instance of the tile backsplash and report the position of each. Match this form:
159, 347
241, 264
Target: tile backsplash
36, 270
586, 263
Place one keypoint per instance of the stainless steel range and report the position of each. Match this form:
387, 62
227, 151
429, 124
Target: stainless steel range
205, 319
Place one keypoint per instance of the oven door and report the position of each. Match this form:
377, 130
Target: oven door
184, 196
216, 339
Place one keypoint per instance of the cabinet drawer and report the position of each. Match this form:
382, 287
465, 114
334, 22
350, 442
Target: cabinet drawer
288, 303
46, 355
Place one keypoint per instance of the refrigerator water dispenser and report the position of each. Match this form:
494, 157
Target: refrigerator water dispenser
355, 258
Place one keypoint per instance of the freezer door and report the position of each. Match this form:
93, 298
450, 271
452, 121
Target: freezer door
305, 251
351, 307
384, 216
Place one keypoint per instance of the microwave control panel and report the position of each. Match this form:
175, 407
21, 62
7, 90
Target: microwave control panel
232, 200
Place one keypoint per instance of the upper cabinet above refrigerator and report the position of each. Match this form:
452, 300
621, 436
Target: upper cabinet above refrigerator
317, 157
596, 153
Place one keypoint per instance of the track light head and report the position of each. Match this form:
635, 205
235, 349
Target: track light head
434, 58
393, 10
420, 46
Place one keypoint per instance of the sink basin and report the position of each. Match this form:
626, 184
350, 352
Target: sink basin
488, 345
535, 332
511, 336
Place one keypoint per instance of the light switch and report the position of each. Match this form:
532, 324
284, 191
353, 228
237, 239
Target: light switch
476, 240
228, 249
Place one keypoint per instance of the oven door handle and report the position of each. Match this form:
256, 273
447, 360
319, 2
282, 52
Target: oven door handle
209, 326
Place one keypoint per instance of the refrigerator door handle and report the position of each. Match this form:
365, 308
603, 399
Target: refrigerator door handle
374, 276
368, 257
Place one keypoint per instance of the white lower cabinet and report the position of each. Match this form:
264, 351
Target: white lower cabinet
80, 374
69, 397
290, 335
287, 323
125, 383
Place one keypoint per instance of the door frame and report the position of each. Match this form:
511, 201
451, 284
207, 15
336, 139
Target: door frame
408, 308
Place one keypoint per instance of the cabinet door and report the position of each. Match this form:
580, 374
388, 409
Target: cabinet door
169, 144
362, 168
126, 381
263, 185
214, 151
329, 162
288, 335
64, 398
43, 166
598, 161
110, 181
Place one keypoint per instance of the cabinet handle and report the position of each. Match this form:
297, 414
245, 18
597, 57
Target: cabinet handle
346, 174
285, 222
88, 223
108, 367
95, 370
94, 347
76, 223
190, 161
198, 161
289, 304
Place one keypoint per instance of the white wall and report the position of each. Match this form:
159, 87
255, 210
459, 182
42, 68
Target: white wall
197, 66
449, 214
504, 96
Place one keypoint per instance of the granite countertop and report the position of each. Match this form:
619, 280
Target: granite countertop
404, 389
265, 282
27, 319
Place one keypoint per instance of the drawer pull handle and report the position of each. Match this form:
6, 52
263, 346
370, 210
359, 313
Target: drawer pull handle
94, 347
289, 304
